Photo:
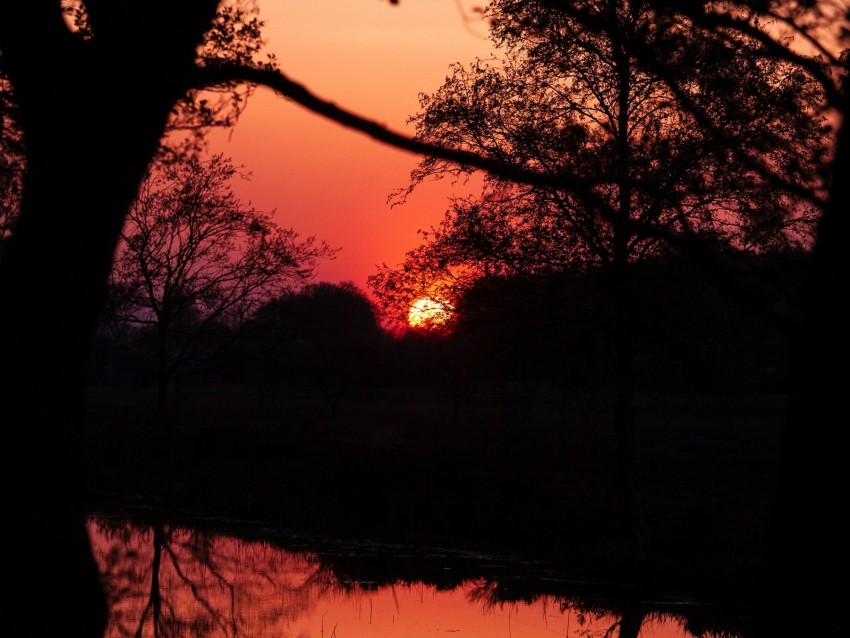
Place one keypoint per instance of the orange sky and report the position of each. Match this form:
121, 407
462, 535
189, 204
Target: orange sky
370, 57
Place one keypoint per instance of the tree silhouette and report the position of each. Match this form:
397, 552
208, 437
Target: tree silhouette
566, 100
234, 37
324, 337
193, 257
11, 163
92, 113
814, 39
172, 581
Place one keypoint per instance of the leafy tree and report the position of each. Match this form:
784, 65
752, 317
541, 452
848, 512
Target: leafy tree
566, 100
194, 257
91, 113
812, 38
324, 337
804, 541
234, 37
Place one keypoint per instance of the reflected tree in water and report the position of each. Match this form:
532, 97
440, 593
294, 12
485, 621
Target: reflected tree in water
170, 581
11, 162
622, 613
628, 617
179, 580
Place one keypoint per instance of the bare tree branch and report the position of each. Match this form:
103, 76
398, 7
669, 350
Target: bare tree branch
281, 84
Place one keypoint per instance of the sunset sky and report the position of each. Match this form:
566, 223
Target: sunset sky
372, 58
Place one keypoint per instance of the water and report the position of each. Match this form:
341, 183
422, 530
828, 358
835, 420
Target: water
180, 581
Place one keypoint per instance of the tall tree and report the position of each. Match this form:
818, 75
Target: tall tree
234, 38
91, 110
194, 257
568, 100
93, 99
813, 38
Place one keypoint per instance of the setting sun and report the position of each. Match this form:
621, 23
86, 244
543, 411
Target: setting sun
427, 313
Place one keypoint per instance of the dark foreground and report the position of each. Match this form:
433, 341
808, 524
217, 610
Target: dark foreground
527, 480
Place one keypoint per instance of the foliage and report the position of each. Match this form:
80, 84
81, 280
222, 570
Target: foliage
234, 38
565, 100
11, 162
324, 337
194, 256
729, 161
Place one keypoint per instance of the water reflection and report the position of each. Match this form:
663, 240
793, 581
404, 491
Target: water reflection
167, 581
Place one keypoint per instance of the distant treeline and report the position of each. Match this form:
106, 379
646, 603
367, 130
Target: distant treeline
690, 336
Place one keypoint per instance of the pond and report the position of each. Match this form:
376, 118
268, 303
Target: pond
168, 580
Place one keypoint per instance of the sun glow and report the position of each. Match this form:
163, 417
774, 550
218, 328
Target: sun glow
427, 312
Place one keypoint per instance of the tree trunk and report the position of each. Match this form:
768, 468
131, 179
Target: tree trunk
162, 378
631, 512
89, 131
631, 620
808, 543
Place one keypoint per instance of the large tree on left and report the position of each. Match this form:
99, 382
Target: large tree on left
92, 105
91, 112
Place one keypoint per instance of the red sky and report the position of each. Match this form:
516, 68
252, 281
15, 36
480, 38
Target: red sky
370, 57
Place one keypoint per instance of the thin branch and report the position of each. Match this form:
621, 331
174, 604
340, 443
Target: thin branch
280, 83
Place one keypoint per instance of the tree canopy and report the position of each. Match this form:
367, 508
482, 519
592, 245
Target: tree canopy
194, 256
697, 128
747, 175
